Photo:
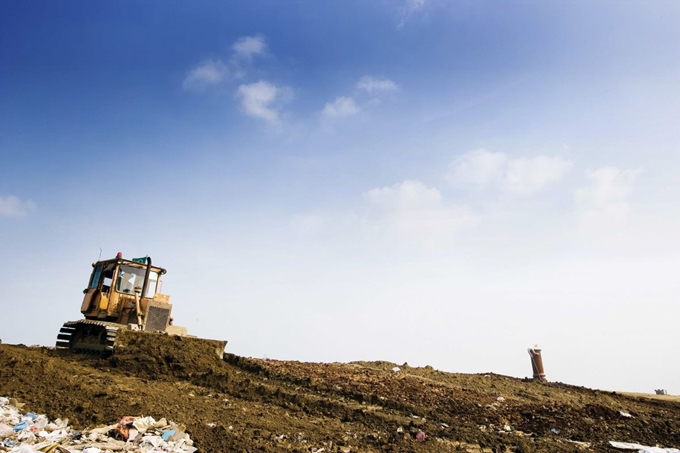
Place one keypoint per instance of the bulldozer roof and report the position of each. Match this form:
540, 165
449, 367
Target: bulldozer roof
160, 270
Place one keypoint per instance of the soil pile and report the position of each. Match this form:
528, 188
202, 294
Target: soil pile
243, 404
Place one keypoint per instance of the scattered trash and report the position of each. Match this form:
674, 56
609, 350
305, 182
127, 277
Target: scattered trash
554, 431
166, 435
500, 398
579, 443
661, 392
400, 430
21, 426
642, 448
507, 428
444, 425
34, 433
625, 414
122, 431
396, 369
420, 437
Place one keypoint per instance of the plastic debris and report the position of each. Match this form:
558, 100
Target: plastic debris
143, 423
625, 414
641, 448
22, 425
396, 369
420, 437
166, 435
34, 433
579, 443
554, 431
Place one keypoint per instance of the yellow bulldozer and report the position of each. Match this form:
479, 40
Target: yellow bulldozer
122, 296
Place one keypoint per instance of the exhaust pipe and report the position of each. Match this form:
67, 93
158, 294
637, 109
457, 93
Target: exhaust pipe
146, 276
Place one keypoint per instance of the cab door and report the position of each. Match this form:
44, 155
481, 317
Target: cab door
97, 292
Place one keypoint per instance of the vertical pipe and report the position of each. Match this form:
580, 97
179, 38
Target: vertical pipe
146, 276
537, 363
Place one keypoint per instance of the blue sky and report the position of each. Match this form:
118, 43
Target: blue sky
443, 183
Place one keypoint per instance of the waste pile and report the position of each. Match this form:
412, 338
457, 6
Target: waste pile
34, 433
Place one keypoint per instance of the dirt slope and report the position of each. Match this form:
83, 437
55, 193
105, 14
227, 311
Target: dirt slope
268, 405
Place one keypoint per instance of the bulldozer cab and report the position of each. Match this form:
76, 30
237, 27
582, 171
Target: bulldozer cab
119, 289
128, 278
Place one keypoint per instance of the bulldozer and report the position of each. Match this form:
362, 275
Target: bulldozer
123, 297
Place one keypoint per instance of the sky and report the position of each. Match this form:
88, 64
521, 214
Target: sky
442, 183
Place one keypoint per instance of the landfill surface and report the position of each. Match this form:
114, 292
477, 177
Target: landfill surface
167, 383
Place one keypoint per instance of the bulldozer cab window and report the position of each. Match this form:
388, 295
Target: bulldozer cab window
108, 278
131, 279
96, 274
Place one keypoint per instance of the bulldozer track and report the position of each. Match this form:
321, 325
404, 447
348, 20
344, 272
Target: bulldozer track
88, 337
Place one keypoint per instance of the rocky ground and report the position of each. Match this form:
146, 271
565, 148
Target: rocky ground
242, 404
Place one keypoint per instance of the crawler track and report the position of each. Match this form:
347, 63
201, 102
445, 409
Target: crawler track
87, 336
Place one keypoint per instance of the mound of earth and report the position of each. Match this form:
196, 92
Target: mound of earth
243, 404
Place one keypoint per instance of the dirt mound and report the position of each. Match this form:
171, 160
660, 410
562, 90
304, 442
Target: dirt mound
165, 357
244, 404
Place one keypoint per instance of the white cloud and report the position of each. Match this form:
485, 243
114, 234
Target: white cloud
257, 100
248, 46
410, 7
373, 85
526, 175
523, 175
407, 195
415, 5
411, 208
209, 73
478, 167
605, 200
341, 107
213, 72
344, 106
11, 206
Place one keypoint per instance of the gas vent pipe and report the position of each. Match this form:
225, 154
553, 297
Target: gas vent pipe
537, 363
